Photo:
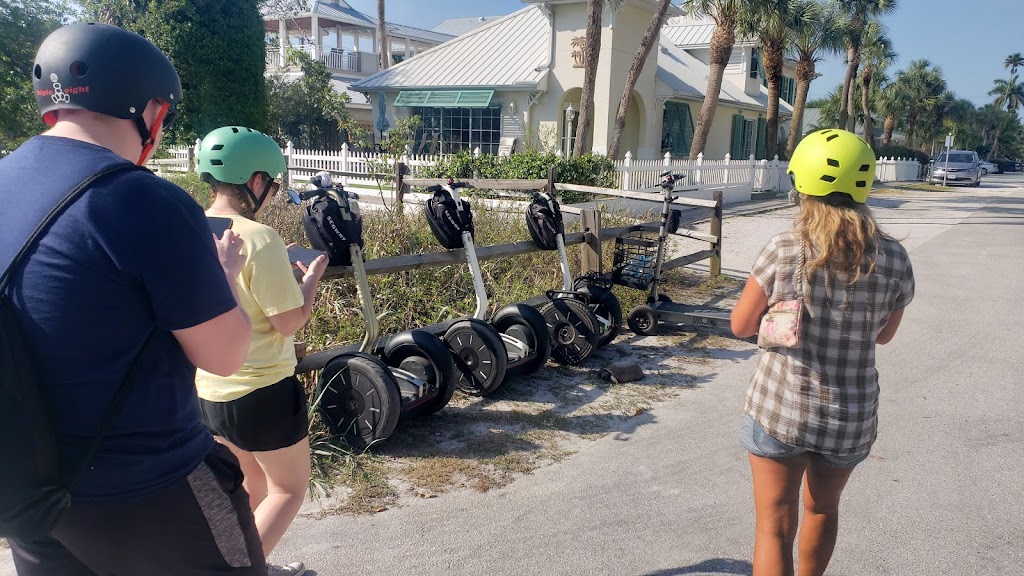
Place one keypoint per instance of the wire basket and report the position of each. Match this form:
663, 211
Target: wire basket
636, 252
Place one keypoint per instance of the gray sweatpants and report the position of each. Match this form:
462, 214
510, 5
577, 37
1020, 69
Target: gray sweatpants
200, 526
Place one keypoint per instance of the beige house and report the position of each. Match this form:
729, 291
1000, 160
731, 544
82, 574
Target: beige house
520, 77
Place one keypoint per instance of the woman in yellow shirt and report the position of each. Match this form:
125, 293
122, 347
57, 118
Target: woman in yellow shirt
260, 411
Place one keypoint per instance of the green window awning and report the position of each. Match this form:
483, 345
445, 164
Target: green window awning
445, 98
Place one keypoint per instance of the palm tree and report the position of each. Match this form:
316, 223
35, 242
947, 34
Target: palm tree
1009, 94
877, 54
924, 87
814, 39
772, 22
1013, 61
648, 41
859, 12
726, 15
382, 37
892, 105
1010, 97
591, 54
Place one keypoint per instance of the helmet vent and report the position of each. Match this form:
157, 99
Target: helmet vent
832, 137
829, 179
79, 69
833, 162
217, 147
39, 72
861, 183
216, 162
865, 168
234, 130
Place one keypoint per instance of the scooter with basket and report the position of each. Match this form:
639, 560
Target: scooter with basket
363, 392
515, 340
639, 262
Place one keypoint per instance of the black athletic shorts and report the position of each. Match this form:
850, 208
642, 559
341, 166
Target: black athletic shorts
266, 419
199, 526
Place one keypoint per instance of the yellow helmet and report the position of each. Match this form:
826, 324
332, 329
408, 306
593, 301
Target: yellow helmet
833, 160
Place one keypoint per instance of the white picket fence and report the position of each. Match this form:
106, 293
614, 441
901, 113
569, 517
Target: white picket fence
738, 179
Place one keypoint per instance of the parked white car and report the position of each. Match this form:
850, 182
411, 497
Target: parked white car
987, 168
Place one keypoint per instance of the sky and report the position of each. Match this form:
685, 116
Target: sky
968, 39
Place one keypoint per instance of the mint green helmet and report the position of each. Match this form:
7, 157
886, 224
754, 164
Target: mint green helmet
232, 154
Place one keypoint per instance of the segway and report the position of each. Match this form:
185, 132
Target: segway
579, 317
522, 335
639, 263
363, 393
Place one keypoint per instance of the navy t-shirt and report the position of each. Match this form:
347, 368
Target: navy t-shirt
133, 254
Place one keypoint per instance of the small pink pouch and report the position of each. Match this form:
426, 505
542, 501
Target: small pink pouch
780, 327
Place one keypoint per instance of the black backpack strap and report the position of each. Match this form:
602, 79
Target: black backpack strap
116, 405
61, 206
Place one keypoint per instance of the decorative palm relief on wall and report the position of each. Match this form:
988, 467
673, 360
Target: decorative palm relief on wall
579, 47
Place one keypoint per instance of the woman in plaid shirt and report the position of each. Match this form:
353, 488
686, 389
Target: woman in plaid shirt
811, 410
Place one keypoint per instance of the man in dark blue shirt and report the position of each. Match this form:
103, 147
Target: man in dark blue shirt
132, 257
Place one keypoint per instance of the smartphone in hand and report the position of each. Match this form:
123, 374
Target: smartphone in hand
219, 225
302, 254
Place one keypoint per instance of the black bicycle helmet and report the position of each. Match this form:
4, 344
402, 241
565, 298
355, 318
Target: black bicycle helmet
103, 69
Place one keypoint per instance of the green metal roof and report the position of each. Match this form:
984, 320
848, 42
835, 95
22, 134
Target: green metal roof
445, 98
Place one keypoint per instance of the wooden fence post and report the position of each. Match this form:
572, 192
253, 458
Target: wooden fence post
590, 251
716, 231
552, 179
289, 152
626, 175
400, 187
194, 156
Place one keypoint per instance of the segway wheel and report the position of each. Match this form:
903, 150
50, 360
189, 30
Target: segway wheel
642, 320
573, 330
358, 399
426, 356
524, 323
605, 304
479, 354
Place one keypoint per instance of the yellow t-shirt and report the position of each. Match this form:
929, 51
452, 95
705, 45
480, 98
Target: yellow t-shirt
266, 287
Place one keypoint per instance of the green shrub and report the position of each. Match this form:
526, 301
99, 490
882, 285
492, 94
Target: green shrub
897, 151
586, 170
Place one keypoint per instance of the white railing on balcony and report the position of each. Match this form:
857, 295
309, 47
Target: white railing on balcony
333, 58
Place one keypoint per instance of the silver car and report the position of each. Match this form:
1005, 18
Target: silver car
962, 168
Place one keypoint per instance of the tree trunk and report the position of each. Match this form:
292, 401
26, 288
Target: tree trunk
865, 101
772, 55
722, 40
382, 37
851, 106
592, 53
844, 99
911, 125
804, 76
650, 37
888, 127
995, 142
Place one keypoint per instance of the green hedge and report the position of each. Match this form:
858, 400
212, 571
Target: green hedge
586, 170
897, 151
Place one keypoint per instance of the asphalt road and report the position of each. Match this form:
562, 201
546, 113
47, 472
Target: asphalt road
940, 495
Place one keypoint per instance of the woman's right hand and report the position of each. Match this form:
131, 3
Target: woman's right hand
315, 271
229, 251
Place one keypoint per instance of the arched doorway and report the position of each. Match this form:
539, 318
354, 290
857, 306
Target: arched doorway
635, 130
569, 120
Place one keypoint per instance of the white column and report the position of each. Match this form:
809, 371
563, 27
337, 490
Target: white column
407, 42
314, 23
282, 38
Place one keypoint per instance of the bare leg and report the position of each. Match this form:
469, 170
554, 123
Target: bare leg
821, 516
287, 475
254, 480
777, 508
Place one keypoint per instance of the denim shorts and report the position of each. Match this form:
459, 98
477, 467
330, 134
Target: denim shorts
759, 443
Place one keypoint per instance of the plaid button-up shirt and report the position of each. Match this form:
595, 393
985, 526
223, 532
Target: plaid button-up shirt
823, 394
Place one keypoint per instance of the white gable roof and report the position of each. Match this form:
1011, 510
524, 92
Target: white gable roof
511, 52
460, 26
695, 32
686, 76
